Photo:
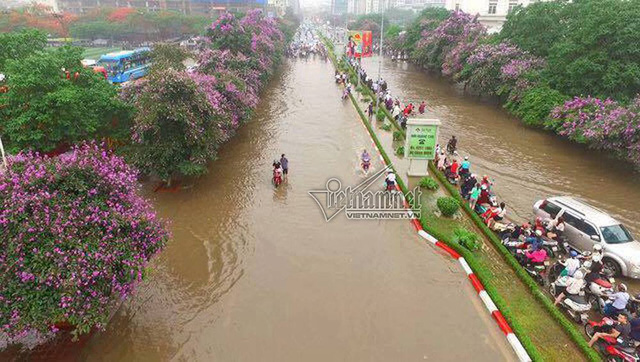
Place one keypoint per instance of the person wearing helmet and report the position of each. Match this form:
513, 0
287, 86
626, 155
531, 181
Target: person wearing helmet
618, 302
573, 287
571, 265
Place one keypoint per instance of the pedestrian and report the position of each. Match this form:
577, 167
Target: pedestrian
473, 196
284, 163
370, 110
422, 107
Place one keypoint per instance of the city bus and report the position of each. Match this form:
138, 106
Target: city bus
126, 65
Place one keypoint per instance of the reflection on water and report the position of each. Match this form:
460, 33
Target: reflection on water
254, 273
526, 164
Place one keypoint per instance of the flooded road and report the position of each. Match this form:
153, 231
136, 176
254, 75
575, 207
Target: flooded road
526, 164
256, 274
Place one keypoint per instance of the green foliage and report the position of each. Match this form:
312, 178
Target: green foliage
397, 135
400, 151
535, 28
429, 183
138, 25
19, 45
43, 109
597, 54
466, 238
535, 105
165, 55
447, 206
380, 115
176, 130
386, 127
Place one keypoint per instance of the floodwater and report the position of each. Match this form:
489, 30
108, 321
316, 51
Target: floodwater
257, 274
526, 164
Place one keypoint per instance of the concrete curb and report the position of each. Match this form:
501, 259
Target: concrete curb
513, 340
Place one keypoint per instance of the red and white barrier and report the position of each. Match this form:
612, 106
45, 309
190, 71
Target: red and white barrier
477, 285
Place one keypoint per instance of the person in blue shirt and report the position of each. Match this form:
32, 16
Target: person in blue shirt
535, 241
464, 167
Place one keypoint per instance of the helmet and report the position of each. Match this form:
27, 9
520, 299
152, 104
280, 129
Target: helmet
597, 248
466, 157
578, 274
622, 287
587, 264
539, 232
573, 253
597, 257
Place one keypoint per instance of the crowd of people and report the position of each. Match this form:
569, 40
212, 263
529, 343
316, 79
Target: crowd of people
305, 43
530, 242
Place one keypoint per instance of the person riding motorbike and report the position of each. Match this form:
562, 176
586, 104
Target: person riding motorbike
620, 329
618, 302
277, 173
573, 286
391, 181
535, 241
452, 145
366, 160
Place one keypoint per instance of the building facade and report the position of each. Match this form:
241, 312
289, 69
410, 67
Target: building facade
417, 5
203, 7
492, 13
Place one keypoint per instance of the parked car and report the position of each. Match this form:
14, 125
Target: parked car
586, 226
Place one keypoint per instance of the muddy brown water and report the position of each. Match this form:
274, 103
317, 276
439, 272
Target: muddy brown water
257, 274
526, 164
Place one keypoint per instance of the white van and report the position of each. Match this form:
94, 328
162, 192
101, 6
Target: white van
586, 226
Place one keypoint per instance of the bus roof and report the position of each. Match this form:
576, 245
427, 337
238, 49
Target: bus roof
123, 54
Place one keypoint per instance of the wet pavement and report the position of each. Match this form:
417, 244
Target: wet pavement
254, 273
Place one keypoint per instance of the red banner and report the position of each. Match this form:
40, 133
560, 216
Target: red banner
367, 44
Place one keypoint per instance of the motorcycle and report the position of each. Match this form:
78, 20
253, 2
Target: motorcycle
598, 293
614, 349
365, 165
577, 306
537, 271
277, 180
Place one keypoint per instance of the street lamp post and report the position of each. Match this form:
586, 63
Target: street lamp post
380, 56
4, 158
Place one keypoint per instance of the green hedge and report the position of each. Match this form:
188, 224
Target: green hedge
483, 274
447, 206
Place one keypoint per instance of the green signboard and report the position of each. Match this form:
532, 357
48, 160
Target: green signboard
422, 141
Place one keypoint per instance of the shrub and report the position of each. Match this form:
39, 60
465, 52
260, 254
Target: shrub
380, 115
400, 151
397, 135
77, 237
466, 238
447, 206
536, 104
386, 127
428, 183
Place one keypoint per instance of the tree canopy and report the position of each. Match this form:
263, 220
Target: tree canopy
46, 107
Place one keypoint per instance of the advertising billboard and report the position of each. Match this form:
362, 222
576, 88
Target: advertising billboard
359, 43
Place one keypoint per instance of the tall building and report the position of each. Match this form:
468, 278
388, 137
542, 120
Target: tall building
417, 5
339, 7
492, 13
204, 7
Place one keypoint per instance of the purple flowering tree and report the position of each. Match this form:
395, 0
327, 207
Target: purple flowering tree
76, 238
460, 30
176, 128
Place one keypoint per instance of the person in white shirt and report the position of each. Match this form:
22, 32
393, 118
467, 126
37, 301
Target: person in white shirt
391, 180
574, 285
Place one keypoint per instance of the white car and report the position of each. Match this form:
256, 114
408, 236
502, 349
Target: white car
586, 226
